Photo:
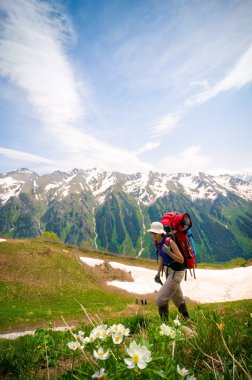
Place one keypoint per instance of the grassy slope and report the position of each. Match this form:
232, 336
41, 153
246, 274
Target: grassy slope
40, 281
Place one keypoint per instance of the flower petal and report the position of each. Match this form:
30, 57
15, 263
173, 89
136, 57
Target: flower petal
129, 362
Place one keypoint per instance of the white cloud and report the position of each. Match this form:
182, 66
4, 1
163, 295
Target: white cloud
235, 171
147, 147
189, 160
239, 76
32, 55
22, 156
167, 123
203, 84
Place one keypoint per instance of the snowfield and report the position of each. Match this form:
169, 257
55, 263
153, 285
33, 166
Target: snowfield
211, 285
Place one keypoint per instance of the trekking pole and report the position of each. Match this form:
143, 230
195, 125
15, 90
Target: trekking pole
194, 273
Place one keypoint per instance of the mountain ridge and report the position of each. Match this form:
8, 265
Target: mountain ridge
112, 211
196, 186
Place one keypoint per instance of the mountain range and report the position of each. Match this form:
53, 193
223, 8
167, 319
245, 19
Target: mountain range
111, 211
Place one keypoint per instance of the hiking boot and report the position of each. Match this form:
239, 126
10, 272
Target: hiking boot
183, 310
163, 312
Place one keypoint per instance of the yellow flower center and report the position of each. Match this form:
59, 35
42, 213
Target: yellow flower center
135, 358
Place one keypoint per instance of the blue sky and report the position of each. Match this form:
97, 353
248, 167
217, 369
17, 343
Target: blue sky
126, 85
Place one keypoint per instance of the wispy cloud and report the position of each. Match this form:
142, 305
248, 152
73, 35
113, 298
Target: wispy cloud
145, 69
83, 150
147, 147
23, 156
238, 76
200, 84
191, 159
167, 123
33, 55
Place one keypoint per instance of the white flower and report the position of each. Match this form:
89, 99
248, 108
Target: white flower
98, 374
73, 345
80, 336
167, 330
108, 331
100, 354
125, 331
120, 328
139, 356
192, 377
100, 332
173, 334
117, 337
90, 339
177, 322
115, 328
182, 371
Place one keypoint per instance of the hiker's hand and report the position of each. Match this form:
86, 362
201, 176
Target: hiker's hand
166, 249
157, 278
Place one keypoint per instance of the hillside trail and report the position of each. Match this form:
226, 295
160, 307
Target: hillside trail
131, 310
14, 335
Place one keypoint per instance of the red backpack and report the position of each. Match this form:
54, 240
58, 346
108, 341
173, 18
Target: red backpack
177, 225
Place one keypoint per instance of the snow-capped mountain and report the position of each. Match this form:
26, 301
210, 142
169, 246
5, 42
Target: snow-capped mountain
112, 211
146, 187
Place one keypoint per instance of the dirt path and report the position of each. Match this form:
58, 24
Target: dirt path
15, 335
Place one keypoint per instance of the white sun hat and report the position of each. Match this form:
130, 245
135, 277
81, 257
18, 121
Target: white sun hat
157, 228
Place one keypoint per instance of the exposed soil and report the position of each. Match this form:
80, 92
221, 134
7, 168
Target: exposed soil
105, 272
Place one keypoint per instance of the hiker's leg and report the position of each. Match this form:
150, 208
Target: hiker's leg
168, 290
178, 297
164, 312
182, 308
179, 300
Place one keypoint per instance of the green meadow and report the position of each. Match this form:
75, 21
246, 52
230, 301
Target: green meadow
44, 285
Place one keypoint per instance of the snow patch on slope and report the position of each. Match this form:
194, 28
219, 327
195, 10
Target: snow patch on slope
10, 188
220, 285
197, 189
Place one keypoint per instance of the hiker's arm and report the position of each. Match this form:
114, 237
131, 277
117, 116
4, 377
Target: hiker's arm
175, 253
160, 264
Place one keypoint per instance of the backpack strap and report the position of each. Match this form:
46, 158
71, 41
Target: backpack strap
167, 240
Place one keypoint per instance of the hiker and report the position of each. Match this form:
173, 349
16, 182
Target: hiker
169, 256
